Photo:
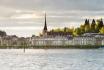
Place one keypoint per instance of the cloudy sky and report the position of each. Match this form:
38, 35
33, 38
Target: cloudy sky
26, 17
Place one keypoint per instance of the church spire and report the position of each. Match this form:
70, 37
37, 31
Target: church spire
45, 25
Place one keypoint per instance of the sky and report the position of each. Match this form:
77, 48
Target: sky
26, 17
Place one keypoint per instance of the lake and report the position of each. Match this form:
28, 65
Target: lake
52, 59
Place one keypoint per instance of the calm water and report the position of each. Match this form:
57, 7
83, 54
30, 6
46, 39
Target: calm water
62, 59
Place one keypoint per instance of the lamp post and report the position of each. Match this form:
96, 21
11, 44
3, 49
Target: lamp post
24, 47
23, 44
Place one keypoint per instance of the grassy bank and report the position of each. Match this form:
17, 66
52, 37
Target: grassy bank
53, 47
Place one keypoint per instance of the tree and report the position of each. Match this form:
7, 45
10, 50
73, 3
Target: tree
87, 25
77, 32
57, 30
52, 30
93, 25
66, 29
3, 33
102, 30
82, 27
87, 28
71, 30
99, 25
86, 22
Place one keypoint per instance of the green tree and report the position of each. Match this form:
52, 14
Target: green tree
93, 25
82, 27
86, 22
57, 30
87, 28
66, 29
102, 30
3, 33
87, 25
77, 32
99, 25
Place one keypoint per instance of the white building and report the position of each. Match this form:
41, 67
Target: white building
84, 40
50, 41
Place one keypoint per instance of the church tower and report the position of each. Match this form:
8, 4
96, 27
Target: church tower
45, 27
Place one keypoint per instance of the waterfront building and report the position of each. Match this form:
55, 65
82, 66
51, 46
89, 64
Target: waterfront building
68, 41
14, 40
51, 41
99, 39
84, 40
6, 41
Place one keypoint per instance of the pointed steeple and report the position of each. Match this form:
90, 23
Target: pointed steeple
45, 25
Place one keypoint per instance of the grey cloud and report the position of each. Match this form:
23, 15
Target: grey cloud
55, 4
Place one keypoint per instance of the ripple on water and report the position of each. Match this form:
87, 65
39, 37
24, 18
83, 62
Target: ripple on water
63, 59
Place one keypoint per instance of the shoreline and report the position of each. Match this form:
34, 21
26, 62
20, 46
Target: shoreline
52, 47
